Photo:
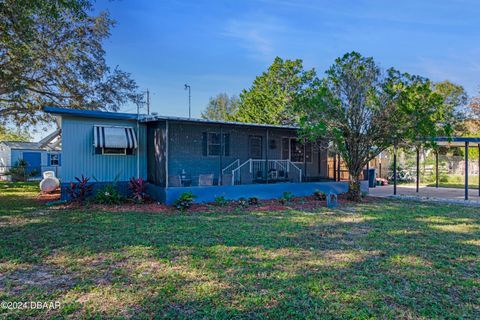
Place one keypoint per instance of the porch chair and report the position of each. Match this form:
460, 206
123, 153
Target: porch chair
205, 180
174, 181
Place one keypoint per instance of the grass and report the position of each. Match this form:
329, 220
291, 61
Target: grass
455, 181
384, 259
453, 185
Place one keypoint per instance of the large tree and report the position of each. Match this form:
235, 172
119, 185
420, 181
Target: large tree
51, 53
221, 107
475, 107
363, 111
426, 112
454, 105
272, 95
8, 134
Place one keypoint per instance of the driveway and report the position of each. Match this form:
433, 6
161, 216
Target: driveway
428, 193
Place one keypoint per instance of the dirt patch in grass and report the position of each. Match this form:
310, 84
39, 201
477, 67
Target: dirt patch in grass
45, 197
43, 277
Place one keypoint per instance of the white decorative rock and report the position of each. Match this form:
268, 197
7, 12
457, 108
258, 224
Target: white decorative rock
50, 184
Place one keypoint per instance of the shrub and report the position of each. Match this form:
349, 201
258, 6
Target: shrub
80, 190
286, 197
242, 202
443, 178
108, 195
184, 201
220, 201
319, 195
253, 201
139, 189
19, 171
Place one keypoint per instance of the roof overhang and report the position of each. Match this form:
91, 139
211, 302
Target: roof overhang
457, 141
215, 122
152, 118
91, 113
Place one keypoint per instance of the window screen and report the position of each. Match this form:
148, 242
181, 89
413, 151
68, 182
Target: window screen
296, 151
214, 144
285, 148
255, 147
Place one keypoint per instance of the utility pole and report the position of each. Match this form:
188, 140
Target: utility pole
148, 102
189, 100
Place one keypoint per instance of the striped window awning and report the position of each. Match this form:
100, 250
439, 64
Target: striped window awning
114, 137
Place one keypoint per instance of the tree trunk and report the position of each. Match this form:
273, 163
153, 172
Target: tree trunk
354, 192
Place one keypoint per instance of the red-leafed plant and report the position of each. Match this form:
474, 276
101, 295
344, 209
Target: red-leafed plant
80, 190
139, 189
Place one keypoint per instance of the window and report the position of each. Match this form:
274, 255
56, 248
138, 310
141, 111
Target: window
212, 144
113, 151
255, 146
285, 148
54, 159
114, 140
308, 152
295, 150
226, 142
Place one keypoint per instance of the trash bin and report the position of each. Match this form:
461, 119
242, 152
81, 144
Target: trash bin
370, 175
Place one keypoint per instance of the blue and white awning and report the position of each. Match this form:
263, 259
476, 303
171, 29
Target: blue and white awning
114, 137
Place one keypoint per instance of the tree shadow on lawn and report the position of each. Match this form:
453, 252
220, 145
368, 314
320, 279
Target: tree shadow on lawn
387, 259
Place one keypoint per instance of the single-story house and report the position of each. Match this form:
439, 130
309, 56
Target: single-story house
40, 157
175, 155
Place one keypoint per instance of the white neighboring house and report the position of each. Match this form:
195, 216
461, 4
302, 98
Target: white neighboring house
40, 157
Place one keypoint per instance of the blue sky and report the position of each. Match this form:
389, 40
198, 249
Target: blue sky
220, 46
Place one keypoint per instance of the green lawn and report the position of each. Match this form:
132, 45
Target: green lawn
383, 259
455, 181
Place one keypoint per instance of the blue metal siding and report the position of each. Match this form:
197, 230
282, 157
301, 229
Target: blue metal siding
78, 156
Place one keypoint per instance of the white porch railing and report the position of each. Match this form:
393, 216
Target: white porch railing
232, 166
263, 171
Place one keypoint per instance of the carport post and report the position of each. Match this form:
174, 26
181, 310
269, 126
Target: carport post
436, 169
395, 169
418, 167
338, 166
334, 167
466, 170
368, 173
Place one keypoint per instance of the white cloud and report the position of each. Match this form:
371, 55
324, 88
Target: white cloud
255, 34
460, 67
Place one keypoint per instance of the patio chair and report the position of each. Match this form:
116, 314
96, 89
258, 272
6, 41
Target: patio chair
205, 180
273, 174
174, 181
282, 175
